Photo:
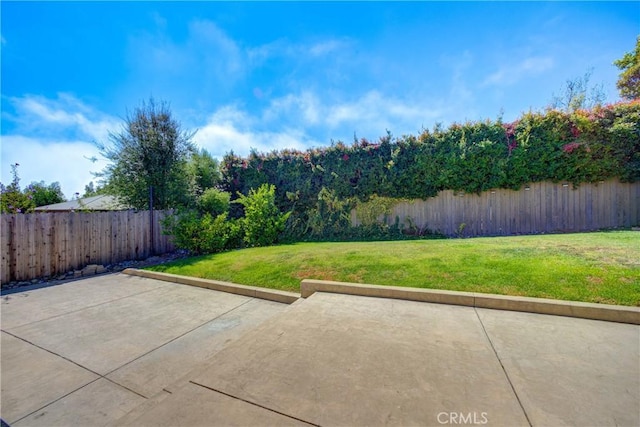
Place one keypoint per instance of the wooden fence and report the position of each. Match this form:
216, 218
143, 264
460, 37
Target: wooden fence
49, 244
543, 207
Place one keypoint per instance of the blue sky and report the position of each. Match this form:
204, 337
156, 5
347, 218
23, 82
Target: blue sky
285, 75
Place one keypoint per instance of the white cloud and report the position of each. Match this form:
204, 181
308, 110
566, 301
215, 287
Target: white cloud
510, 74
45, 160
159, 20
211, 56
372, 106
257, 55
369, 115
327, 46
460, 96
306, 105
375, 112
207, 61
53, 140
230, 129
285, 48
210, 66
63, 116
215, 47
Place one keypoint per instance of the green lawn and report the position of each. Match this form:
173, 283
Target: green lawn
601, 267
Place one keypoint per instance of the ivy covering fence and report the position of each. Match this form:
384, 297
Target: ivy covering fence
340, 192
582, 146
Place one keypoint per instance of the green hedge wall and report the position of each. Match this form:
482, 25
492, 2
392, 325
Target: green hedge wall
584, 146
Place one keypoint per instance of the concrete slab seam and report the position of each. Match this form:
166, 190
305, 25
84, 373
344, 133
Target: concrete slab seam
105, 376
255, 404
56, 400
83, 308
78, 389
125, 387
51, 352
174, 339
504, 370
216, 285
604, 312
100, 376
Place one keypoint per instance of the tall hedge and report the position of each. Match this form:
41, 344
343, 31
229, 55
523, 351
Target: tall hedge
584, 146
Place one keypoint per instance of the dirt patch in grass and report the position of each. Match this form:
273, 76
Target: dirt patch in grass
595, 280
357, 277
600, 300
316, 273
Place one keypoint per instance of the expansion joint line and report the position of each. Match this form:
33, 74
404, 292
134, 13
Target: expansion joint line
66, 313
255, 404
179, 336
504, 370
99, 376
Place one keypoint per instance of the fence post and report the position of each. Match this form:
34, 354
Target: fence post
152, 247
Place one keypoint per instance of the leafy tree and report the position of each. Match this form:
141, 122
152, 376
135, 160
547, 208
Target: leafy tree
12, 199
629, 80
203, 172
44, 194
151, 150
94, 190
578, 95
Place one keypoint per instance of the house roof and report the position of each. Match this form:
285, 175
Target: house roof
95, 203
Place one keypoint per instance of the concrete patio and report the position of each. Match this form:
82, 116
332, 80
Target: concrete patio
124, 350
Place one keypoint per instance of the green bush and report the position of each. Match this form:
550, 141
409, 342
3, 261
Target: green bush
330, 217
369, 213
214, 202
219, 233
263, 222
330, 220
203, 234
209, 229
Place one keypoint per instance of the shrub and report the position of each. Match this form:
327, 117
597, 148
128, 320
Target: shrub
369, 212
203, 234
330, 217
214, 202
219, 234
263, 222
330, 220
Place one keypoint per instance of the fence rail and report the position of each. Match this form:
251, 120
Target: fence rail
543, 207
49, 244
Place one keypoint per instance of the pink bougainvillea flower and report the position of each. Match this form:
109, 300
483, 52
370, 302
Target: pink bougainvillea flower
570, 147
575, 131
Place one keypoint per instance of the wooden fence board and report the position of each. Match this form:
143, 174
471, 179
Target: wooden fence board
50, 244
22, 254
546, 207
